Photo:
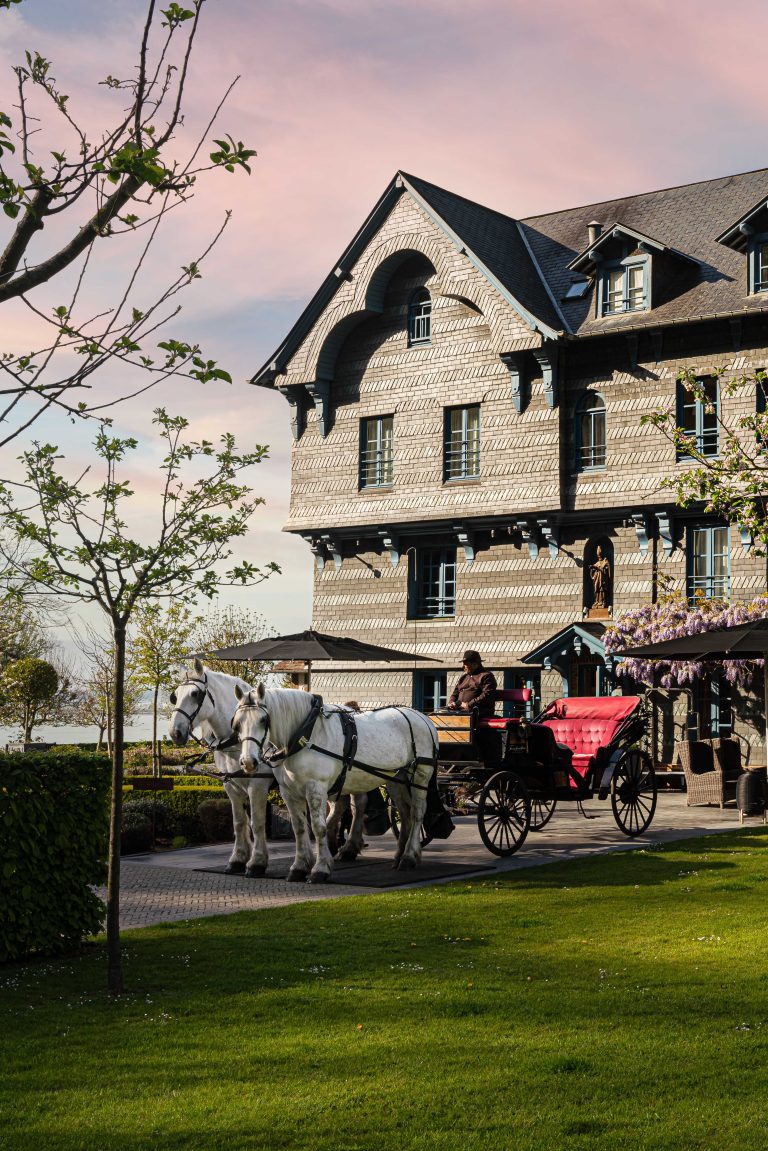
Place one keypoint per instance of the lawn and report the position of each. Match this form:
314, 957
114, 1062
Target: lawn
614, 1002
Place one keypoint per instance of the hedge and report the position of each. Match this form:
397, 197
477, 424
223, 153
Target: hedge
54, 824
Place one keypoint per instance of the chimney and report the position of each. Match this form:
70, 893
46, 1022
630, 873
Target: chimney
594, 231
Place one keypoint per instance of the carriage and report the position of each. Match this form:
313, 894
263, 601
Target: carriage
513, 772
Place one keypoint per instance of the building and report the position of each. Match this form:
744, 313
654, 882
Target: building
469, 464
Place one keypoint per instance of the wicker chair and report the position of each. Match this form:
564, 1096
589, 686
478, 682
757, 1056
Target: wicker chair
711, 768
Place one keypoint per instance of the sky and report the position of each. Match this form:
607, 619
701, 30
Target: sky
527, 108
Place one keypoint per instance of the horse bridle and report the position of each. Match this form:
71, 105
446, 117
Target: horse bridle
252, 738
204, 683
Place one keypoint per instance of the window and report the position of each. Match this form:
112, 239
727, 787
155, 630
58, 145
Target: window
624, 288
420, 317
462, 443
711, 714
430, 690
758, 265
708, 563
433, 584
698, 419
590, 432
377, 465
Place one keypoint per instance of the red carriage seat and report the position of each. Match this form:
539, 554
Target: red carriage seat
516, 695
585, 724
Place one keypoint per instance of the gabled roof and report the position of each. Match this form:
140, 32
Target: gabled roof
586, 261
737, 234
587, 634
491, 241
498, 244
531, 261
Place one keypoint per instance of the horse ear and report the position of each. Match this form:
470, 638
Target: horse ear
239, 693
261, 691
198, 665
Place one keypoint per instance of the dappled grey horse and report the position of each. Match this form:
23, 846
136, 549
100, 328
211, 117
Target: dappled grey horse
206, 700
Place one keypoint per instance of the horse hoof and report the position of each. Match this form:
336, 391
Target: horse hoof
406, 865
256, 871
235, 869
319, 877
297, 876
345, 856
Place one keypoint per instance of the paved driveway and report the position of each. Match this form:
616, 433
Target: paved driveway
161, 888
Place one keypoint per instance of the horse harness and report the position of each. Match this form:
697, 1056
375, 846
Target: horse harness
302, 740
218, 745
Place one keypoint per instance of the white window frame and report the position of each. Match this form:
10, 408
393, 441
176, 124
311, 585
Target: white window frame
624, 295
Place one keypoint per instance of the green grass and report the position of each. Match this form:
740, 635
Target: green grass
616, 1002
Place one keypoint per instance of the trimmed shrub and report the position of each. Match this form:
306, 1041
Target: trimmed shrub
53, 849
216, 820
155, 810
183, 804
136, 831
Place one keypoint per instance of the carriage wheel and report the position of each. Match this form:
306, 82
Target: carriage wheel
504, 813
542, 811
633, 792
394, 822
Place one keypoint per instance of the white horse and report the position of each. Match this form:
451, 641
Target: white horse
399, 744
206, 700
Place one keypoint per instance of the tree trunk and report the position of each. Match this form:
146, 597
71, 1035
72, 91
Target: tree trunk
155, 748
27, 721
110, 743
115, 983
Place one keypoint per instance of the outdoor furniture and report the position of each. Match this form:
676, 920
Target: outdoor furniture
751, 794
711, 768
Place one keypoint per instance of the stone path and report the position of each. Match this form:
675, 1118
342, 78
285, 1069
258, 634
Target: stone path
164, 887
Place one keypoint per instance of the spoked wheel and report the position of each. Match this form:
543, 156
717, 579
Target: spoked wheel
542, 811
394, 822
633, 792
504, 813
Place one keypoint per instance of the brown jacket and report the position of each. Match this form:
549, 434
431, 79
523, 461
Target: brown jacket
476, 688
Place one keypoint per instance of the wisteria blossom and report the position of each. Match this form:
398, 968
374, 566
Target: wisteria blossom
672, 618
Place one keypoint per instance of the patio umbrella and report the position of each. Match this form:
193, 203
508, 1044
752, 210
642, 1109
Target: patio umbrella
309, 646
741, 641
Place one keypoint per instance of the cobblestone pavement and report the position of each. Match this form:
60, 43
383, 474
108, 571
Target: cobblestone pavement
163, 887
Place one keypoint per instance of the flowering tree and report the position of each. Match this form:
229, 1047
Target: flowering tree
671, 618
732, 483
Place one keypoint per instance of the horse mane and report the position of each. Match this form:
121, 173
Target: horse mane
293, 703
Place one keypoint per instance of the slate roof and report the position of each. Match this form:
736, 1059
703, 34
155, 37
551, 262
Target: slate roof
688, 218
497, 241
529, 258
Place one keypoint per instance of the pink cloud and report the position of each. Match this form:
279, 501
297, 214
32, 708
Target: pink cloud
527, 108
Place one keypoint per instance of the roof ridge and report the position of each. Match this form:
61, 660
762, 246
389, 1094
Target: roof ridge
640, 195
458, 196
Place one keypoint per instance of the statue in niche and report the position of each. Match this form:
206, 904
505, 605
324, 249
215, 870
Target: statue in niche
600, 575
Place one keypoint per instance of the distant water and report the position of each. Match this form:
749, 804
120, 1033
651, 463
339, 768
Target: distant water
140, 729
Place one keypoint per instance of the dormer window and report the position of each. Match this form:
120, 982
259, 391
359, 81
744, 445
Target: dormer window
630, 268
624, 287
749, 234
420, 318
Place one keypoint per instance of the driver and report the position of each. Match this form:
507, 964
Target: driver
475, 688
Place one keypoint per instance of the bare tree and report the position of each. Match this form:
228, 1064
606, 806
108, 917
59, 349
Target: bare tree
228, 627
96, 684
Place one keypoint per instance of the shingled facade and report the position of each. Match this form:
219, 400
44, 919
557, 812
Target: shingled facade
466, 391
